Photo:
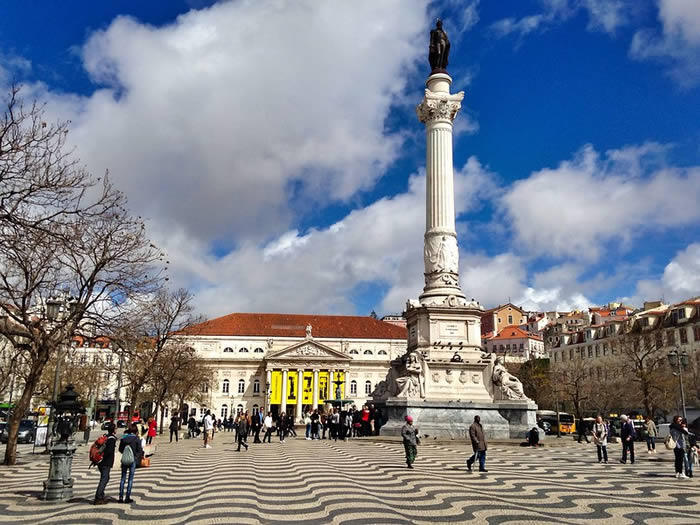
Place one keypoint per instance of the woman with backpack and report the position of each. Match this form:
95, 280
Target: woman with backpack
132, 453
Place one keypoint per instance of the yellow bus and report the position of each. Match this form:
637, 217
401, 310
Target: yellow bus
566, 420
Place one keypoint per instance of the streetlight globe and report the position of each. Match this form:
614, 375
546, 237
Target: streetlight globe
673, 358
684, 359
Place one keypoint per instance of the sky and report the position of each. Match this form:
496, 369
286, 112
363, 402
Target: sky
274, 149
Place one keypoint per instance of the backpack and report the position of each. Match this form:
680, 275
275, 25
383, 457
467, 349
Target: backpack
128, 456
97, 450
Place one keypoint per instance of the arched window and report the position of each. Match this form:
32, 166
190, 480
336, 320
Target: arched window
243, 350
228, 349
256, 409
353, 387
259, 351
224, 411
368, 352
353, 351
256, 386
382, 352
368, 387
241, 386
239, 409
225, 386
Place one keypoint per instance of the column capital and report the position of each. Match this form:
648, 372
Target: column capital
439, 106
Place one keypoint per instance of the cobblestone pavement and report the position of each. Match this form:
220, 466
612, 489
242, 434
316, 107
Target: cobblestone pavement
364, 482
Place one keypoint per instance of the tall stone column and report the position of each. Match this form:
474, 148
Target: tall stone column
440, 254
300, 393
283, 401
315, 398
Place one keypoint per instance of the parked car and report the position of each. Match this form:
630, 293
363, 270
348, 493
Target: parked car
2, 427
26, 434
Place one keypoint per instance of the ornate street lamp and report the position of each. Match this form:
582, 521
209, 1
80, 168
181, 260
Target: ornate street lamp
679, 361
59, 486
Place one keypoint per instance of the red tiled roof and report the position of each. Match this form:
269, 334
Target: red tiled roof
294, 325
513, 332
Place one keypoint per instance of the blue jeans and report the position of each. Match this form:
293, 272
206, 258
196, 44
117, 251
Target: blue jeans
651, 444
308, 430
130, 470
481, 456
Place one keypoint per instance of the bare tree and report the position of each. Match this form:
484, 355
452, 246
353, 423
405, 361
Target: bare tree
144, 335
572, 380
647, 372
61, 232
536, 378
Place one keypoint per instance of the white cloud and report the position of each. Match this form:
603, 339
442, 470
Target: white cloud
316, 271
680, 279
233, 119
603, 15
678, 42
573, 209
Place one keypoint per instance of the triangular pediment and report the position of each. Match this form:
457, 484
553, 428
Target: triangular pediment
308, 349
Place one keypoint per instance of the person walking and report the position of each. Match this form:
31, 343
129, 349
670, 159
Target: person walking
600, 438
192, 427
151, 430
174, 428
581, 428
315, 423
627, 435
289, 427
208, 429
129, 439
243, 426
691, 450
409, 433
256, 425
680, 438
335, 424
267, 423
650, 431
282, 426
478, 439
105, 466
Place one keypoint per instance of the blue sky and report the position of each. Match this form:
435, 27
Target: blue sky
274, 146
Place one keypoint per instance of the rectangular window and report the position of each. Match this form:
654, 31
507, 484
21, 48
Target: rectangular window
696, 330
670, 338
597, 351
590, 352
681, 313
571, 354
507, 347
109, 359
684, 335
521, 346
605, 348
657, 340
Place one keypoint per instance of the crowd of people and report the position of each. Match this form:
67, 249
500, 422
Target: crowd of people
335, 423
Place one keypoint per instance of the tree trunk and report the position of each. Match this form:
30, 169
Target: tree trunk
162, 417
23, 407
158, 405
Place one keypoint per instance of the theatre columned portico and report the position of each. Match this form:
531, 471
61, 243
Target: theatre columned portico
303, 376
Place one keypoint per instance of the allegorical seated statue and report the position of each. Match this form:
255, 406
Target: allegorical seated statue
510, 386
439, 49
410, 381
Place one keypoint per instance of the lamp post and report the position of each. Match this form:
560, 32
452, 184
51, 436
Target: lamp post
679, 361
55, 308
59, 486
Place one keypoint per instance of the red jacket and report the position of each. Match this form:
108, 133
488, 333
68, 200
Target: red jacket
152, 428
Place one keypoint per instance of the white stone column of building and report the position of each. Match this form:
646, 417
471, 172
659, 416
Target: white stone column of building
300, 391
441, 256
331, 386
315, 398
283, 401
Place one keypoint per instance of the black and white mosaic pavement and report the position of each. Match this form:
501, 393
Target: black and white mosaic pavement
364, 482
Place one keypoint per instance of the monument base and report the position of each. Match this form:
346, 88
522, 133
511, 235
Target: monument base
451, 419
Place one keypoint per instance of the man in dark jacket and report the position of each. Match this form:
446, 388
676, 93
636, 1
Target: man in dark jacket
174, 428
255, 425
627, 435
105, 466
478, 438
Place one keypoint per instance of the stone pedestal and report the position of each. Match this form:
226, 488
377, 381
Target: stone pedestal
451, 419
59, 486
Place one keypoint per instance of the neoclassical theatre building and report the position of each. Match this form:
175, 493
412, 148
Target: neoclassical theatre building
291, 363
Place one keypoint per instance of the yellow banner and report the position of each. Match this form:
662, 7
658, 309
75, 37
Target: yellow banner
308, 392
292, 388
323, 390
276, 388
